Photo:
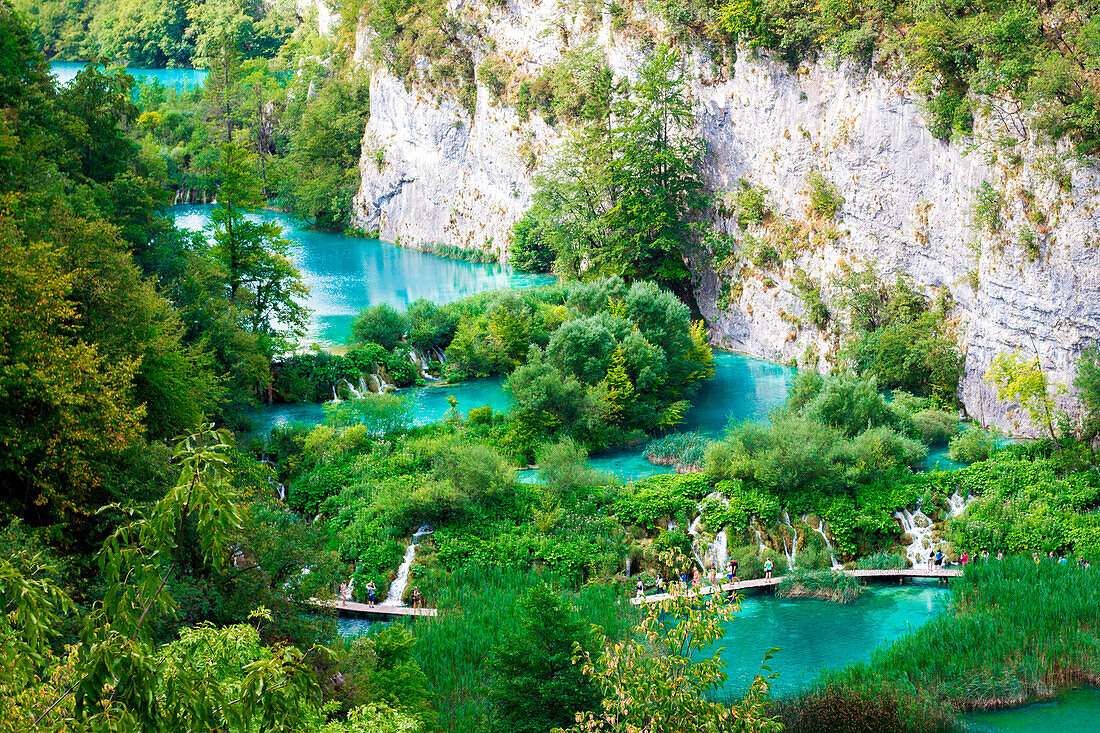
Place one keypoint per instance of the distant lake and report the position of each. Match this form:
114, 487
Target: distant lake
178, 79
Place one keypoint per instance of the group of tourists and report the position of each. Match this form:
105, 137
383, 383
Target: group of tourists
937, 559
1061, 559
346, 590
697, 578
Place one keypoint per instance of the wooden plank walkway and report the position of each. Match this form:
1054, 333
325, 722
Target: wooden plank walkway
376, 610
774, 581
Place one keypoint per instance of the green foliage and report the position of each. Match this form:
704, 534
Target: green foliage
882, 561
431, 326
826, 585
652, 501
485, 609
1019, 630
1025, 505
751, 203
536, 687
686, 451
898, 336
973, 444
660, 677
380, 414
872, 705
988, 203
380, 324
625, 214
1087, 382
825, 198
1023, 382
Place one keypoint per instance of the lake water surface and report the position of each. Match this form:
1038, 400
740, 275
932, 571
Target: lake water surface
178, 79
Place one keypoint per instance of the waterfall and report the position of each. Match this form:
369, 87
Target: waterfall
920, 527
363, 386
397, 587
421, 361
832, 555
792, 552
693, 530
334, 397
351, 388
759, 537
956, 505
720, 550
628, 566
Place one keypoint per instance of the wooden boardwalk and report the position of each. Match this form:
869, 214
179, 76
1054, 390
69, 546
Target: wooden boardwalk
351, 607
707, 589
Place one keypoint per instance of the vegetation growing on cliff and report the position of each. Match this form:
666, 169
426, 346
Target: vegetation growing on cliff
620, 197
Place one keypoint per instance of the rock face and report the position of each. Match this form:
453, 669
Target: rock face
1030, 283
431, 173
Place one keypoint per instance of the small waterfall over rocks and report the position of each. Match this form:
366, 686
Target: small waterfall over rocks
920, 527
792, 551
397, 587
820, 528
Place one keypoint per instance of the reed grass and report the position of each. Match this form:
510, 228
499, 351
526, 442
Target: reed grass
826, 585
1019, 632
477, 605
685, 451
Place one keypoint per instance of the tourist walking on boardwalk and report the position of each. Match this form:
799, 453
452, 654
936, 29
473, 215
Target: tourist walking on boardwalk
729, 571
939, 558
963, 558
371, 588
695, 578
931, 558
416, 596
343, 594
768, 568
733, 571
641, 587
1000, 555
1035, 557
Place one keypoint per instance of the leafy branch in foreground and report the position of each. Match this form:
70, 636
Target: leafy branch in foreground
656, 681
116, 678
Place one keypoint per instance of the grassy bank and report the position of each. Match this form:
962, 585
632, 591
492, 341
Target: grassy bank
1020, 632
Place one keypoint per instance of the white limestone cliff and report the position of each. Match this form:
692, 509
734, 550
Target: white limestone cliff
450, 177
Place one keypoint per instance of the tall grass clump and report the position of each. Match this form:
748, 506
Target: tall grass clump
477, 605
973, 444
871, 707
826, 585
884, 560
1019, 631
685, 451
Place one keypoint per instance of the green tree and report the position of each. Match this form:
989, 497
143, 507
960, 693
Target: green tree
380, 324
1023, 382
655, 171
620, 390
1087, 382
263, 285
536, 687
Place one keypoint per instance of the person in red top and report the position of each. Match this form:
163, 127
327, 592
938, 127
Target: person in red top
963, 558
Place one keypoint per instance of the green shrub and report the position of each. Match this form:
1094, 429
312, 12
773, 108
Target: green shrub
751, 203
936, 426
381, 324
825, 198
986, 211
972, 444
882, 561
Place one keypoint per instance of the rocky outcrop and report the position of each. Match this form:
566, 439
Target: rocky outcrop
432, 172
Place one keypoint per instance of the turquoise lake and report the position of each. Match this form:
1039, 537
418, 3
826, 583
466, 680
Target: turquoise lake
178, 79
347, 274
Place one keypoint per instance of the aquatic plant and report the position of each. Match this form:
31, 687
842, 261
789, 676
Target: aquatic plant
882, 561
826, 585
685, 451
1019, 631
870, 707
479, 605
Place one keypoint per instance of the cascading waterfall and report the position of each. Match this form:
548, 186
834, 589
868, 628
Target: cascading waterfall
693, 530
720, 550
352, 390
920, 527
397, 587
759, 537
832, 556
956, 505
792, 551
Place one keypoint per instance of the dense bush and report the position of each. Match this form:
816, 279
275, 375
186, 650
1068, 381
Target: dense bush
972, 444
